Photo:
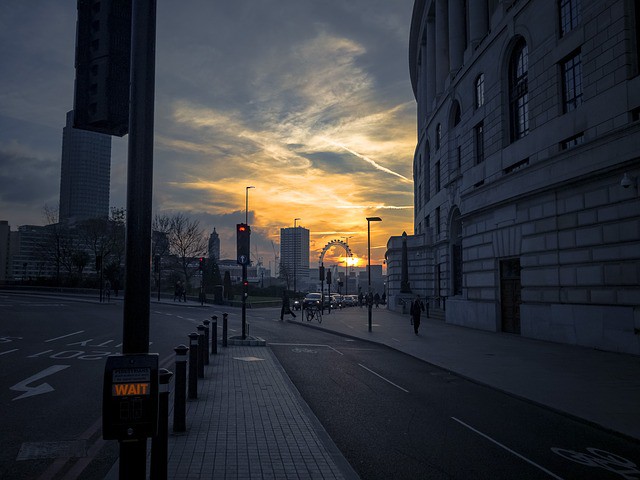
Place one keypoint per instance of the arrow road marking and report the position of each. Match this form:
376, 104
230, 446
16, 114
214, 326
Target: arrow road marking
38, 389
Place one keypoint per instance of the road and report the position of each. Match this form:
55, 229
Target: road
391, 415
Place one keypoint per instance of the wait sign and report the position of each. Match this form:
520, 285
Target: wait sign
130, 397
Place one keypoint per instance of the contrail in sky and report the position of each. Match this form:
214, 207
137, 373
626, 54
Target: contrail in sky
368, 160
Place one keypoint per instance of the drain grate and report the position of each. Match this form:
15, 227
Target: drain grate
33, 450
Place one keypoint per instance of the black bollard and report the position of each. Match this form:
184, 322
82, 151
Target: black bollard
214, 334
200, 351
224, 329
180, 394
206, 324
193, 365
160, 443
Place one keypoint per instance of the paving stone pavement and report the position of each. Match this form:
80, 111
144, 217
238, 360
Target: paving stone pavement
249, 422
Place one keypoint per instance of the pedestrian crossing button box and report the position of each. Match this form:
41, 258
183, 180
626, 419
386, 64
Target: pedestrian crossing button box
130, 397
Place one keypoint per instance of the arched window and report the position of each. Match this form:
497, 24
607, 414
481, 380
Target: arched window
438, 136
455, 114
519, 91
479, 94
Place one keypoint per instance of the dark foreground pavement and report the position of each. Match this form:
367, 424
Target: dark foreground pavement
250, 421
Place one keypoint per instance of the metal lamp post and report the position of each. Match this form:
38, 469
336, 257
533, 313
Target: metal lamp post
246, 204
369, 220
244, 267
346, 267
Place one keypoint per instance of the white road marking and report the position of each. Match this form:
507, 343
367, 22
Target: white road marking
306, 345
385, 379
64, 336
38, 389
553, 475
9, 351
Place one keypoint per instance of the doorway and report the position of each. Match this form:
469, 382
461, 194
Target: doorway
510, 295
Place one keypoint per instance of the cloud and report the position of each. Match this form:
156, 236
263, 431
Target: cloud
25, 178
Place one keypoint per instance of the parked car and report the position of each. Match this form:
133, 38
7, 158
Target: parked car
296, 304
349, 300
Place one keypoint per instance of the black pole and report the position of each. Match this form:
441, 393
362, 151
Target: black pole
244, 301
214, 334
193, 365
180, 394
133, 454
206, 324
160, 443
369, 270
224, 329
201, 351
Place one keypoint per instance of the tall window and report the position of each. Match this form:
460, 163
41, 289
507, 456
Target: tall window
570, 15
519, 91
438, 135
437, 175
479, 140
480, 90
572, 82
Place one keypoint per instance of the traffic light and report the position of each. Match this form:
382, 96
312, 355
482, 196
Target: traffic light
322, 273
103, 57
243, 237
201, 265
328, 277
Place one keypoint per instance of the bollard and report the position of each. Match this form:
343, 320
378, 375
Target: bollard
193, 365
214, 334
206, 341
180, 394
200, 351
160, 443
224, 329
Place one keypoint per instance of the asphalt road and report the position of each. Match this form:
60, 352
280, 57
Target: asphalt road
391, 415
394, 416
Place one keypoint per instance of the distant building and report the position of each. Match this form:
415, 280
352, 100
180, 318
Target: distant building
5, 248
294, 256
214, 245
527, 209
85, 174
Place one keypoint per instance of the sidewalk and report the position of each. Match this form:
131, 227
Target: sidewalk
600, 387
249, 422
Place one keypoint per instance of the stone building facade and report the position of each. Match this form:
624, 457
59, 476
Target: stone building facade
527, 202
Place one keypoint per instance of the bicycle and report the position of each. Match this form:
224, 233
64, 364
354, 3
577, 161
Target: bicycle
313, 313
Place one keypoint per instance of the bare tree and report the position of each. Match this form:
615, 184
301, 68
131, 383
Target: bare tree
284, 273
187, 242
58, 245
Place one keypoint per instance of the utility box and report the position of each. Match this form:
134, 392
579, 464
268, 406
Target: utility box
130, 397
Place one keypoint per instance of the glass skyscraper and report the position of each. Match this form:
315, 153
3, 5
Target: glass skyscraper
85, 175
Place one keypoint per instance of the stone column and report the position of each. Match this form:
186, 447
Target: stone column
430, 52
478, 21
442, 44
457, 33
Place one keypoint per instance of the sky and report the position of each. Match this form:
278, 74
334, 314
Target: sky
308, 101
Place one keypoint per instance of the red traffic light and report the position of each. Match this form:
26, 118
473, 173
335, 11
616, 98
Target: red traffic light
242, 228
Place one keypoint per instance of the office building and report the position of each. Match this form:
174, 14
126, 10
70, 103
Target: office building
214, 246
85, 174
527, 209
294, 257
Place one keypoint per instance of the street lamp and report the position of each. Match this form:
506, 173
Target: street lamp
295, 255
346, 266
246, 204
369, 220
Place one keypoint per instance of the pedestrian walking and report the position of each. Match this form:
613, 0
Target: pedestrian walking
177, 291
417, 307
376, 299
286, 306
